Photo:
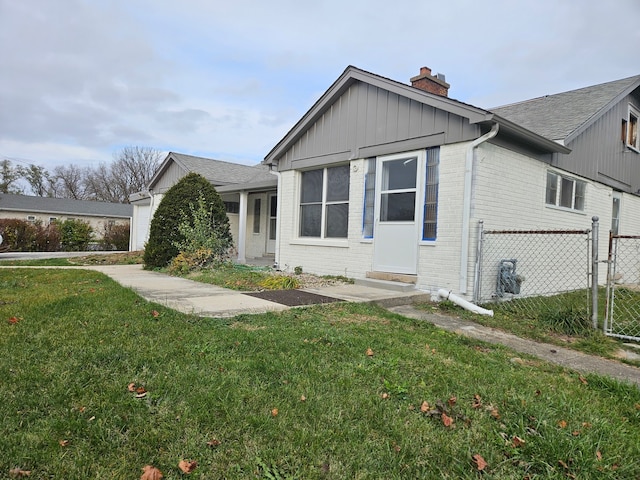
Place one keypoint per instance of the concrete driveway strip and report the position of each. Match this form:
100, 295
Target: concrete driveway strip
185, 295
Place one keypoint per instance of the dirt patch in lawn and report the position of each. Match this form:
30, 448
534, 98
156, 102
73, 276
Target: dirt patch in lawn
293, 298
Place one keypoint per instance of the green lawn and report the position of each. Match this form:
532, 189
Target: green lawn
328, 392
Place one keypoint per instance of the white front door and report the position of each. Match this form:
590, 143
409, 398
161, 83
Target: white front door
271, 224
397, 213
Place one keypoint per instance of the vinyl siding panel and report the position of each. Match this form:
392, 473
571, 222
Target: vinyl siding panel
366, 116
172, 175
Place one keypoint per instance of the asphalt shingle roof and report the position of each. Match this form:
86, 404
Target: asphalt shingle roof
557, 116
219, 172
65, 206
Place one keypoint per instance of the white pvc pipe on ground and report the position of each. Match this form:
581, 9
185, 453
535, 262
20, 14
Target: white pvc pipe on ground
447, 295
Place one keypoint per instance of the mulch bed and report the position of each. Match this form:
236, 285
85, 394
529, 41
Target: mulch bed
293, 298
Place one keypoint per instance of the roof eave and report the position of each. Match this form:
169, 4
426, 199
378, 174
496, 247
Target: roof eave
530, 137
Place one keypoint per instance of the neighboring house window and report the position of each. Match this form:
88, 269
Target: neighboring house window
324, 202
369, 198
256, 215
566, 192
52, 220
430, 222
232, 207
31, 218
632, 129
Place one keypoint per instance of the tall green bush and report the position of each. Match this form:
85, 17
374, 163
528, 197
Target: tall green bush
75, 235
176, 207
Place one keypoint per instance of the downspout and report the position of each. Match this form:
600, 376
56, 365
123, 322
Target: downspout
466, 207
278, 207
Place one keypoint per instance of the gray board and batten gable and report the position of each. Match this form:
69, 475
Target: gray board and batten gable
588, 121
363, 114
64, 206
218, 172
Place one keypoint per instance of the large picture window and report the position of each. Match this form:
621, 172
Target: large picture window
324, 202
566, 192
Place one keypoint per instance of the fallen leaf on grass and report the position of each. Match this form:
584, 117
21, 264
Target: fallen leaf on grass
131, 387
13, 320
562, 424
452, 401
151, 473
583, 380
447, 421
599, 456
63, 443
187, 466
18, 472
477, 401
303, 398
369, 352
214, 443
424, 408
384, 396
495, 414
517, 441
274, 412
141, 390
481, 463
155, 313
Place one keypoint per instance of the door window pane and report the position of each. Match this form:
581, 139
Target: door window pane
397, 207
399, 174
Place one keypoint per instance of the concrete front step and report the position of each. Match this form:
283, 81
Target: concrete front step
386, 284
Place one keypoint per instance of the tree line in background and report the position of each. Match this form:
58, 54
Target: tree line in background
130, 172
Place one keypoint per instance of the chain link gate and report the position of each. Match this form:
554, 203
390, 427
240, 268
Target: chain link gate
622, 318
542, 274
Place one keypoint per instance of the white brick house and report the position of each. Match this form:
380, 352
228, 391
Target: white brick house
383, 179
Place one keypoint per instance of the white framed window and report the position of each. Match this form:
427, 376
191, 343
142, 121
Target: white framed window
633, 141
369, 198
324, 202
31, 218
52, 220
615, 213
564, 191
430, 215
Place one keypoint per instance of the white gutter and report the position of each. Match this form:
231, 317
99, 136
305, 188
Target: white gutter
466, 206
278, 207
447, 295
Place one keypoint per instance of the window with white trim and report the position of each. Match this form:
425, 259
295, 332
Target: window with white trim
632, 129
324, 202
566, 192
432, 180
369, 198
31, 218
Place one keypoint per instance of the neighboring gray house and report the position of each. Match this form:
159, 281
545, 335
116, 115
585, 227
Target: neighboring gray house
249, 193
46, 210
387, 180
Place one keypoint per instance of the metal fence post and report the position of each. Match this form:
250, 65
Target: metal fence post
594, 271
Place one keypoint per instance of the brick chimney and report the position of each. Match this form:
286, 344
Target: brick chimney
431, 83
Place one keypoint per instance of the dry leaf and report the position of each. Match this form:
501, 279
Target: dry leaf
517, 441
583, 380
480, 462
151, 473
599, 455
274, 412
18, 472
563, 465
303, 398
187, 466
385, 395
495, 414
477, 401
562, 424
369, 352
447, 420
141, 390
213, 443
452, 401
575, 433
13, 320
141, 395
155, 313
63, 443
637, 406
424, 408
131, 387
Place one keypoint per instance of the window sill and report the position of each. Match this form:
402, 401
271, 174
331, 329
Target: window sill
320, 242
428, 243
632, 148
565, 209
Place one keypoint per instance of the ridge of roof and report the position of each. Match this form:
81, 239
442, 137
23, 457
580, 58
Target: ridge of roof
67, 206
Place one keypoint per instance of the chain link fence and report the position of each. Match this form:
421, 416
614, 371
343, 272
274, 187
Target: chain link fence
542, 274
623, 288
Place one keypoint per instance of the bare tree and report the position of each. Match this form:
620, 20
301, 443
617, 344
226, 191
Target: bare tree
130, 172
69, 182
9, 176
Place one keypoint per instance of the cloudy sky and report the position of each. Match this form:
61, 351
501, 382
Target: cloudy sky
80, 79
